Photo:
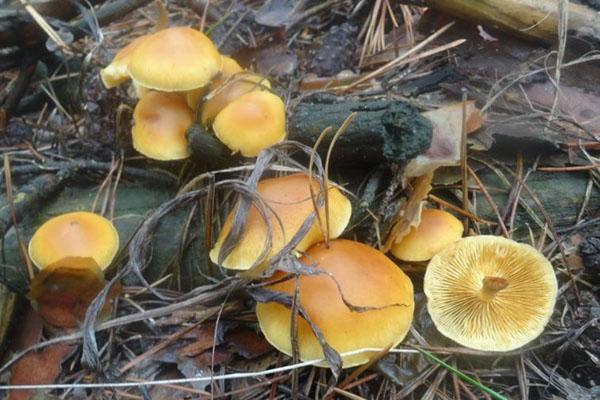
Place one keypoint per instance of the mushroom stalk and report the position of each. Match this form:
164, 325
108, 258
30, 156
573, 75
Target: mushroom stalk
491, 286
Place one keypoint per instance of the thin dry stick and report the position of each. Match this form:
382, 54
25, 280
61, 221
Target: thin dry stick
11, 204
570, 169
397, 60
489, 199
459, 210
204, 14
311, 163
463, 159
44, 25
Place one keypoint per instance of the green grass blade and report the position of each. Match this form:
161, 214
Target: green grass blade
461, 374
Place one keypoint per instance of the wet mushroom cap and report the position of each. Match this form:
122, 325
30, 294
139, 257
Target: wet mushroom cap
175, 59
229, 90
160, 123
252, 122
490, 293
230, 67
117, 71
436, 230
289, 200
75, 234
367, 278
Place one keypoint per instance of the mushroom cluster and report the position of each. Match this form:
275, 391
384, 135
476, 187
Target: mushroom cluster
179, 69
354, 295
71, 252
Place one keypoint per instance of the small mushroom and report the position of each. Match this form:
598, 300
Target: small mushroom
174, 59
160, 122
75, 234
250, 123
117, 71
490, 293
229, 90
230, 68
366, 278
289, 202
436, 230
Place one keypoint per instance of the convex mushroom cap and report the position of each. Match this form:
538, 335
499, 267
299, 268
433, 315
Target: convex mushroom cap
75, 234
436, 230
228, 90
117, 71
289, 202
490, 293
367, 278
251, 122
174, 59
230, 67
160, 122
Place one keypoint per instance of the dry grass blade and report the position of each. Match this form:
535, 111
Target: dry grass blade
37, 17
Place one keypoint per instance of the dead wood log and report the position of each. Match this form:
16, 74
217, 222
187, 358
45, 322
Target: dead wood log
532, 19
383, 131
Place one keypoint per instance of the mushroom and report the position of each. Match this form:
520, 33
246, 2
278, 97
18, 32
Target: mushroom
366, 278
160, 122
250, 123
490, 293
289, 202
75, 234
174, 59
227, 91
436, 230
230, 68
117, 71
63, 290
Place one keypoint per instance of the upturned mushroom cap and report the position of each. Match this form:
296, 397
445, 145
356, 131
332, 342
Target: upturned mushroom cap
117, 71
228, 90
63, 290
75, 234
230, 68
490, 293
290, 201
436, 230
160, 122
367, 278
250, 123
175, 59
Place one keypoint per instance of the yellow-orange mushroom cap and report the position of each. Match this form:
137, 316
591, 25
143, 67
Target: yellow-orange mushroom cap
436, 230
160, 122
75, 234
228, 91
367, 278
117, 71
290, 201
252, 122
175, 59
490, 293
230, 68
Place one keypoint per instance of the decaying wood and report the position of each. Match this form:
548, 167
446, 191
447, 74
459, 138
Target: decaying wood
533, 19
383, 131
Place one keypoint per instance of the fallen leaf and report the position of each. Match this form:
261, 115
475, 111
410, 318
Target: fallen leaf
445, 145
38, 368
247, 343
204, 340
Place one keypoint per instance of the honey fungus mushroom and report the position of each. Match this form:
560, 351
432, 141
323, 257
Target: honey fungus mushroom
490, 293
289, 202
436, 230
75, 234
250, 123
160, 122
230, 67
117, 72
367, 278
174, 59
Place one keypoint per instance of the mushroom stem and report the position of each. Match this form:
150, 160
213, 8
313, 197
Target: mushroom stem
491, 286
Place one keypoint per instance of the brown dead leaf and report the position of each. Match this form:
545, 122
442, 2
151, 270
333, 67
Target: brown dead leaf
446, 139
203, 340
247, 343
38, 368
